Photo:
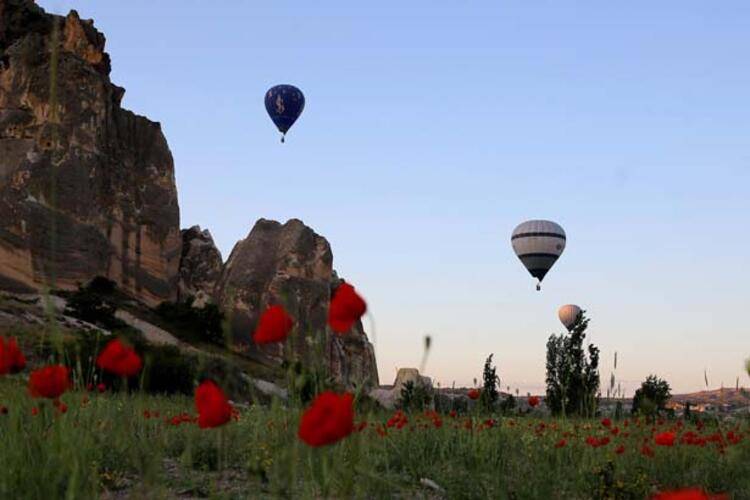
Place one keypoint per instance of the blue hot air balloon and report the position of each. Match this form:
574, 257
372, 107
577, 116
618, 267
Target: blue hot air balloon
284, 104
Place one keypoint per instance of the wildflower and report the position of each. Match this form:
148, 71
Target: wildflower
62, 407
274, 325
733, 437
346, 307
473, 394
646, 451
11, 357
212, 404
665, 439
606, 422
329, 418
615, 431
620, 449
34, 411
688, 494
49, 382
561, 443
119, 359
100, 387
452, 414
398, 420
533, 401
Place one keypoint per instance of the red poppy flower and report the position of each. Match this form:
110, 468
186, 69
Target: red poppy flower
665, 439
328, 419
34, 411
561, 443
620, 449
274, 325
646, 451
101, 387
49, 382
346, 308
473, 394
212, 404
606, 422
688, 494
119, 359
533, 401
11, 357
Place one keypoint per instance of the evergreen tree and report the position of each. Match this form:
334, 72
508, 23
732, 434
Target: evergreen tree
572, 372
490, 394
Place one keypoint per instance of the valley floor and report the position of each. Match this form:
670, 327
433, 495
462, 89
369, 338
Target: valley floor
108, 445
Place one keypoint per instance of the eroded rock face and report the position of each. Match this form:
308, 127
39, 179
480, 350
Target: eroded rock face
200, 266
290, 264
86, 187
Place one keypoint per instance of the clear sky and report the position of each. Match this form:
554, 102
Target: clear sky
433, 127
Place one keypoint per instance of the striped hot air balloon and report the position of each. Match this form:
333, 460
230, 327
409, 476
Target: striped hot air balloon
568, 315
538, 243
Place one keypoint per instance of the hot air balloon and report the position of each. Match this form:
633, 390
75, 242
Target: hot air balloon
568, 315
284, 104
538, 243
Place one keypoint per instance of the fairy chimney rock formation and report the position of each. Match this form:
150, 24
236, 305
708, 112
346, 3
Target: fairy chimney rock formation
86, 187
290, 264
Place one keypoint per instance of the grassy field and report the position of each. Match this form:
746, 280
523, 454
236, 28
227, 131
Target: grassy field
108, 445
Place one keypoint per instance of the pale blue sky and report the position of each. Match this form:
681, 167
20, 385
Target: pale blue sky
432, 128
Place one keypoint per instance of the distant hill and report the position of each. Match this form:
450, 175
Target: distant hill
732, 396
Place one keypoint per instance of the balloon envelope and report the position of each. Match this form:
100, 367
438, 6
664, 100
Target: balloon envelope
284, 104
538, 243
568, 315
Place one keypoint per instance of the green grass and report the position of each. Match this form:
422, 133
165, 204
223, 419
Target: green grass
106, 446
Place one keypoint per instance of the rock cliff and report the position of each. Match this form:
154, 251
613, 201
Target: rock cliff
86, 187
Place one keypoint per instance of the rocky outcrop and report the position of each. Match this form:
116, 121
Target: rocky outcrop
86, 187
200, 267
389, 397
290, 264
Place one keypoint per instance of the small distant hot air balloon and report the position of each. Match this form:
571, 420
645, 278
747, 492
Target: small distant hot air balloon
284, 104
568, 315
538, 243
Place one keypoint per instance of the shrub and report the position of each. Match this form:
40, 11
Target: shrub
414, 397
95, 303
193, 323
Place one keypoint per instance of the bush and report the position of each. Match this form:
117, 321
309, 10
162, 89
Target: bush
193, 323
95, 303
414, 397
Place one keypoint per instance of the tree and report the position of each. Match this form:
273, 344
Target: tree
652, 396
489, 397
572, 372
